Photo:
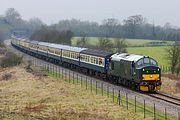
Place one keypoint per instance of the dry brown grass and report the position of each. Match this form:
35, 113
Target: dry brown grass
25, 96
171, 85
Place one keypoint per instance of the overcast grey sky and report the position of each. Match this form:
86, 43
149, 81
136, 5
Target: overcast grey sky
51, 11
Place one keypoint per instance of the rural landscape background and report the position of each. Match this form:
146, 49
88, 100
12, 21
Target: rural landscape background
31, 91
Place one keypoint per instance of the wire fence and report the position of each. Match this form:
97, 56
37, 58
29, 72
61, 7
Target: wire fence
120, 97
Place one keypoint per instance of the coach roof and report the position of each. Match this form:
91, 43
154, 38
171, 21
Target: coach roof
96, 52
64, 47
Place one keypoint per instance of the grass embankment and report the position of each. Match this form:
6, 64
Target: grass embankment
27, 96
171, 84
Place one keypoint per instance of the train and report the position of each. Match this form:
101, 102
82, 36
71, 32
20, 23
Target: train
137, 72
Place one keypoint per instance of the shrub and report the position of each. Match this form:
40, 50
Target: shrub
11, 59
6, 76
2, 51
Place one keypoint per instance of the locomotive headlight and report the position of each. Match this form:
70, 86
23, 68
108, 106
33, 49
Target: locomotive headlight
143, 69
158, 69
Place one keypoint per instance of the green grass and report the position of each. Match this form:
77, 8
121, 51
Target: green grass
158, 53
130, 42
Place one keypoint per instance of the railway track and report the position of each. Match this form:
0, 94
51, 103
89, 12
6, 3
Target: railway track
174, 105
166, 98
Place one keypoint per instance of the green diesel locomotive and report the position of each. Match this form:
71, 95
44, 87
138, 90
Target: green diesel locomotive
135, 71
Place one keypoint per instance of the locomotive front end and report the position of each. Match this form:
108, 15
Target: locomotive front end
150, 75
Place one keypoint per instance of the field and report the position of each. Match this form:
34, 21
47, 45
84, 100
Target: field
158, 53
130, 42
27, 96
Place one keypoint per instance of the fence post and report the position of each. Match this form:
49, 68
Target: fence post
102, 88
53, 69
119, 97
81, 80
77, 78
86, 82
48, 68
113, 94
73, 77
144, 109
165, 114
69, 77
65, 74
91, 84
154, 111
96, 87
59, 72
56, 71
62, 73
108, 90
135, 104
127, 101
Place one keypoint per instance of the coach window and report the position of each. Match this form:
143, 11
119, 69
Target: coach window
56, 51
71, 56
51, 50
100, 61
91, 59
88, 58
77, 55
63, 53
44, 48
67, 53
74, 55
71, 53
96, 60
82, 57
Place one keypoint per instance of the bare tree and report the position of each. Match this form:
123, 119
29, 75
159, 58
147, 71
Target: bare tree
105, 44
82, 41
110, 26
120, 45
131, 24
35, 24
12, 16
173, 54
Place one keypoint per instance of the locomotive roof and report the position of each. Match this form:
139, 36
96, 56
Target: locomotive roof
96, 52
126, 56
64, 47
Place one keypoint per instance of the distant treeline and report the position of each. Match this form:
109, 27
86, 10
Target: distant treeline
135, 27
46, 34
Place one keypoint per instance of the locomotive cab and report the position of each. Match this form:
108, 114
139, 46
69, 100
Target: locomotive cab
135, 71
149, 74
